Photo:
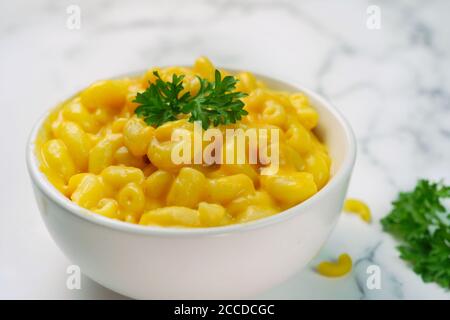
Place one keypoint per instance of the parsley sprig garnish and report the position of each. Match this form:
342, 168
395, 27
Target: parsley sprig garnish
421, 222
215, 103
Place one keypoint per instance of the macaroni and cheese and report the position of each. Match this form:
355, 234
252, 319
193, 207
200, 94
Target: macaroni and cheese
98, 153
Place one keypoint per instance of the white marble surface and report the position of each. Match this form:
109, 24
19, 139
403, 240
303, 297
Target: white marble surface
392, 84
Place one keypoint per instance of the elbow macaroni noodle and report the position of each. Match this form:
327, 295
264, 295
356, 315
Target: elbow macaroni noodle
99, 154
336, 269
359, 208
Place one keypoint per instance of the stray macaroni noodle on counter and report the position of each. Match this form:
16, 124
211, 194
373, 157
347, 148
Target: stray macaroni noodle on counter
98, 152
340, 268
358, 207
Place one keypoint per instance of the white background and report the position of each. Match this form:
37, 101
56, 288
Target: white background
392, 84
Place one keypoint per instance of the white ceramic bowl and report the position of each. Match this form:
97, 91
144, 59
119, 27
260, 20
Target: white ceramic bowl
236, 261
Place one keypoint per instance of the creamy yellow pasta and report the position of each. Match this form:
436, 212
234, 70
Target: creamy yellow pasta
98, 153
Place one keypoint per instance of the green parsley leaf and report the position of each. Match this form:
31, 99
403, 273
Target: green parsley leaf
215, 103
421, 222
160, 102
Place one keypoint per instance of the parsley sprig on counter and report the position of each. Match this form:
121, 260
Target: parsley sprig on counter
215, 103
421, 222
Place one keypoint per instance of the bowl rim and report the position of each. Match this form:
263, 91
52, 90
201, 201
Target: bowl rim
40, 181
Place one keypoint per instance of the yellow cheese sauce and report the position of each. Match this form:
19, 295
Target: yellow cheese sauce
98, 153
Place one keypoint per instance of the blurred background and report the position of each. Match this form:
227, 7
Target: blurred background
384, 64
